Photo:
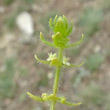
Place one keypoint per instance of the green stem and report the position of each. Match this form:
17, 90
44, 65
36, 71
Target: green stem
56, 80
55, 87
52, 106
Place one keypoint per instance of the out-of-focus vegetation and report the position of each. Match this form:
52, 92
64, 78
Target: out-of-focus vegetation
95, 96
90, 20
94, 61
7, 84
98, 100
11, 22
8, 2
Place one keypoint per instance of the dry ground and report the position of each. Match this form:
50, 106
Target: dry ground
90, 87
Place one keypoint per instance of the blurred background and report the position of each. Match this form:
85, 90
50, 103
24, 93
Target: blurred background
20, 24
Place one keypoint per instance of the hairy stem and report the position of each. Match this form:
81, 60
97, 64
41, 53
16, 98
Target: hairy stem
52, 106
56, 80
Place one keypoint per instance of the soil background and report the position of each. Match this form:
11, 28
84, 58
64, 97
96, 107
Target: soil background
20, 72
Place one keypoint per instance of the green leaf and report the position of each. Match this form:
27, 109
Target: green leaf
77, 43
51, 24
41, 61
45, 41
33, 97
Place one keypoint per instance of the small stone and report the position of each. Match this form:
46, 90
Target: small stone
2, 9
50, 75
25, 23
97, 48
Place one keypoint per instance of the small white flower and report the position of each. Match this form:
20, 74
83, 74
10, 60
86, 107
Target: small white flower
65, 61
51, 56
